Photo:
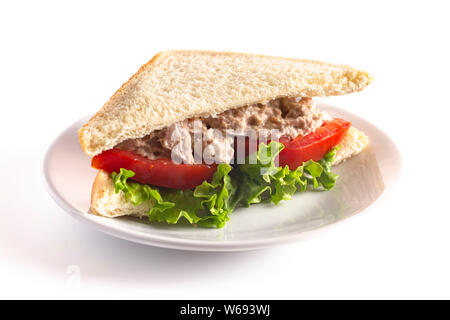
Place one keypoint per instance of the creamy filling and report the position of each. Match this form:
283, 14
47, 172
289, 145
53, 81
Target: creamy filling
211, 139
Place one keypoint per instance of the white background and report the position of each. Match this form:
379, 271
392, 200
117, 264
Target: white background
60, 61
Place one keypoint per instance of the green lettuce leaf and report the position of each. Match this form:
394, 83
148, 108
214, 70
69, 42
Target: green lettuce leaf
216, 197
266, 180
211, 203
208, 205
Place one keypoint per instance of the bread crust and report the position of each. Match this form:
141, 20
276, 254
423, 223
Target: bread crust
175, 85
81, 137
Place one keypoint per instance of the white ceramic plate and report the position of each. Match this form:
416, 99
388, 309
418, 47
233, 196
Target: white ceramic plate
362, 180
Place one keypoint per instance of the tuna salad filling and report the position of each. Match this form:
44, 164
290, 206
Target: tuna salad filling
283, 117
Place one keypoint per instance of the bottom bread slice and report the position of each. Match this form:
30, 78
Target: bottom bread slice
105, 202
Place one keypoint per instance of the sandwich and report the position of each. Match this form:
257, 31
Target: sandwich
193, 135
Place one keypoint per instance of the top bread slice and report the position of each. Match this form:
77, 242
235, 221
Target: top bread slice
177, 85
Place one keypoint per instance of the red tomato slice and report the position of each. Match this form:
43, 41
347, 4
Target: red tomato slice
160, 172
165, 173
313, 146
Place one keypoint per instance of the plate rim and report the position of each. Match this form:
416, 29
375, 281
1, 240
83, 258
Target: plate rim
202, 245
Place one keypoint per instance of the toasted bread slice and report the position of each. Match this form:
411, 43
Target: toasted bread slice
176, 85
